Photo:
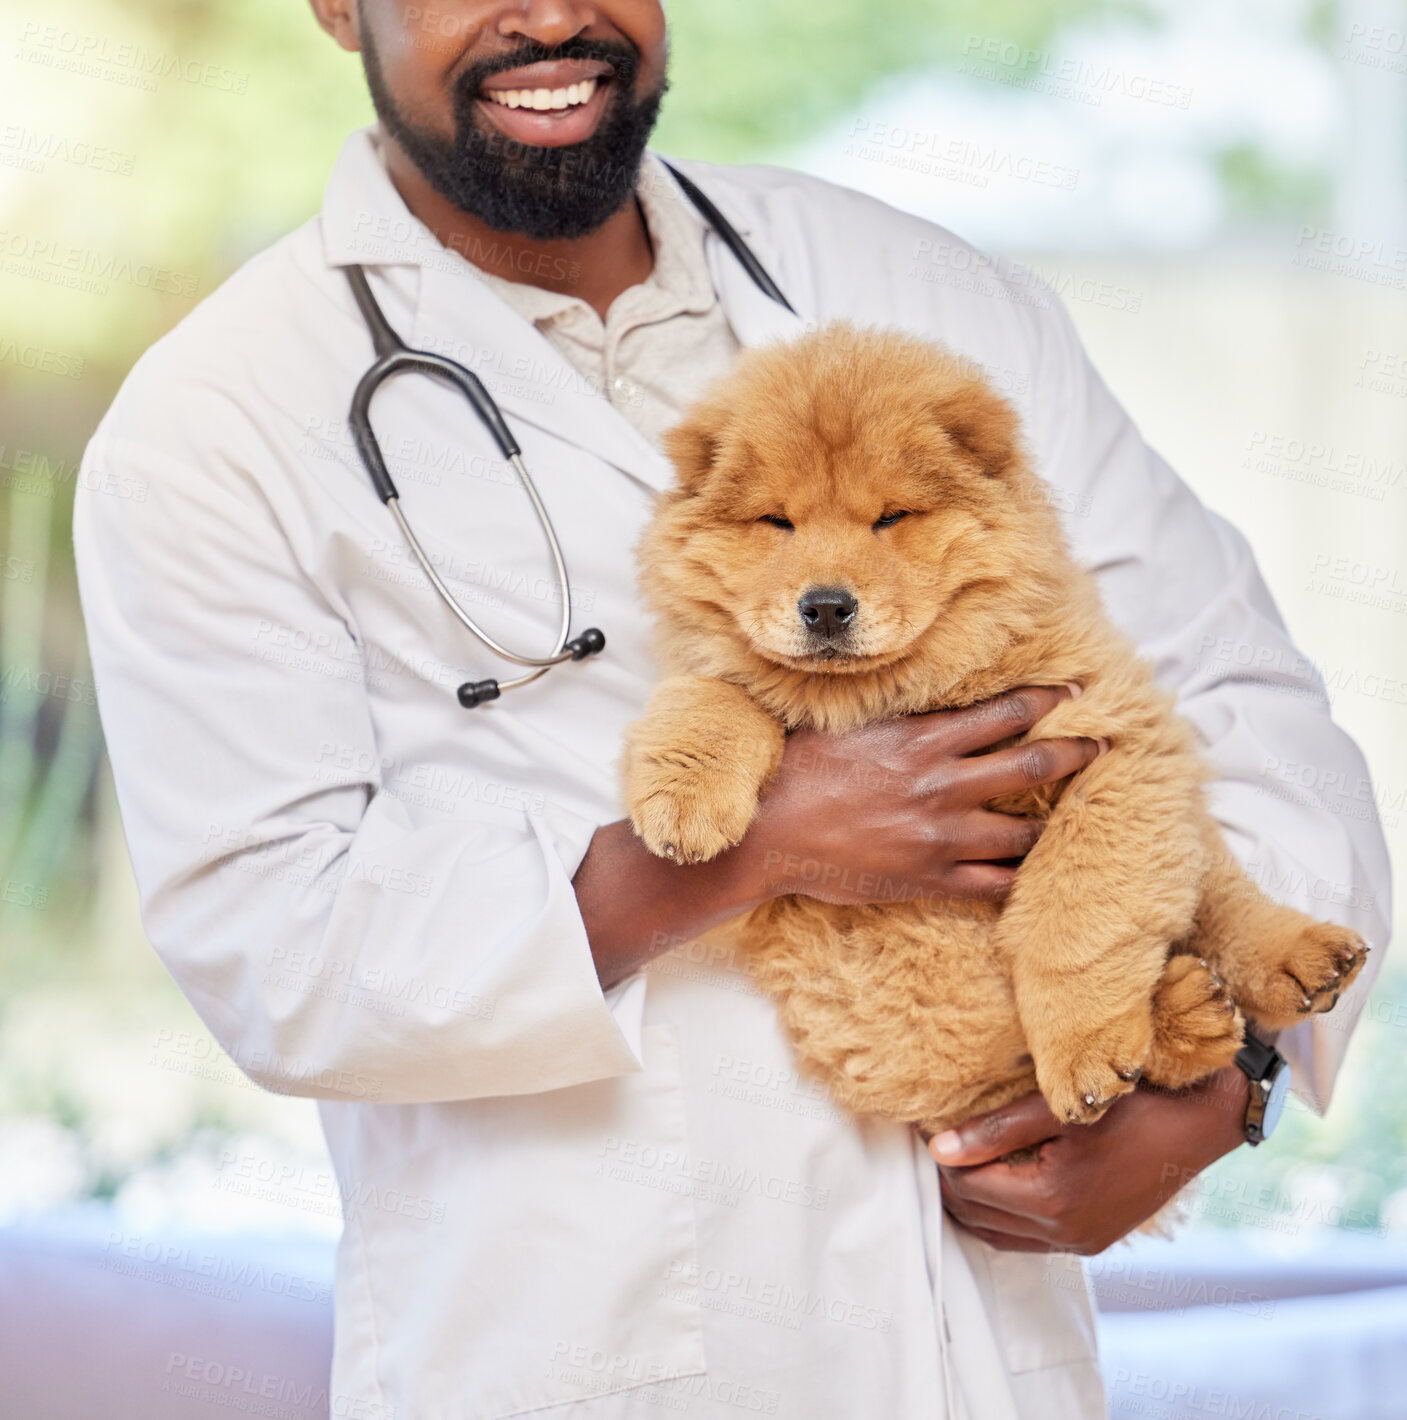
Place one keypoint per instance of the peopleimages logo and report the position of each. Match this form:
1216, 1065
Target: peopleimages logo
41, 359
60, 263
960, 159
32, 150
1067, 77
126, 62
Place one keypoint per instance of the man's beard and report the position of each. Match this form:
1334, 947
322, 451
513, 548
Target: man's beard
547, 194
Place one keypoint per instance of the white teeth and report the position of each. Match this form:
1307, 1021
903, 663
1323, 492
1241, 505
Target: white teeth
544, 100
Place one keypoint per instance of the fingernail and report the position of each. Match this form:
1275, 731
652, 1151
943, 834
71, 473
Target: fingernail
947, 1145
1103, 746
1075, 688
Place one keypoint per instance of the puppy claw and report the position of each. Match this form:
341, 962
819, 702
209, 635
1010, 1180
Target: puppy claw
1091, 1111
1318, 965
691, 824
1080, 1085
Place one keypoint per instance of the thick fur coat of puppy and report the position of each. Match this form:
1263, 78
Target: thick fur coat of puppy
880, 479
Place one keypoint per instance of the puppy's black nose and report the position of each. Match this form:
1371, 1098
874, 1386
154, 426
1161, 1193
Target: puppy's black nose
827, 611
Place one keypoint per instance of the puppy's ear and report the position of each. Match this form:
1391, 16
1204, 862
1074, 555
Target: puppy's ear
692, 446
979, 421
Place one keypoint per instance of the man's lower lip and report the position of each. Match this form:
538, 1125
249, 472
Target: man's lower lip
551, 128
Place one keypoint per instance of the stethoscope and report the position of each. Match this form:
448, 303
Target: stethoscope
394, 357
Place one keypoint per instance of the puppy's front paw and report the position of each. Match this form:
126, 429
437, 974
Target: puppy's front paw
695, 766
1082, 1074
689, 818
1306, 976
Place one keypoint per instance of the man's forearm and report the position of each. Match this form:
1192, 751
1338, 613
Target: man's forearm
636, 905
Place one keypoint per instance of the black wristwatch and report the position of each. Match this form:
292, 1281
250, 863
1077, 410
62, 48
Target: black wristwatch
1269, 1074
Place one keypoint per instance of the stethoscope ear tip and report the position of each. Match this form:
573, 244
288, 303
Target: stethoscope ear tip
587, 644
478, 692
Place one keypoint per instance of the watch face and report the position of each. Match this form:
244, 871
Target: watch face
1275, 1100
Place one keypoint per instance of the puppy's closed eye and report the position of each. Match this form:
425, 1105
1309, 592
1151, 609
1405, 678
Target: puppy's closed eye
778, 521
889, 519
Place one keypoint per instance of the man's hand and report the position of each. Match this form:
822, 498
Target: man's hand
1090, 1184
897, 808
888, 811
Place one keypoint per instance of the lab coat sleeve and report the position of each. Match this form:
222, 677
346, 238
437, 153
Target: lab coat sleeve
1293, 793
333, 945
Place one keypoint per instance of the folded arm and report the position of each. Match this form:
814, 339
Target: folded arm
335, 942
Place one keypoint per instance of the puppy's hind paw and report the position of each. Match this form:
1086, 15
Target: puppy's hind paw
1197, 1029
1321, 962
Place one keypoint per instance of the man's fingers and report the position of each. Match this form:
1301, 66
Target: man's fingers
992, 721
1007, 771
1019, 1125
978, 882
1009, 1242
1014, 1191
983, 836
983, 1215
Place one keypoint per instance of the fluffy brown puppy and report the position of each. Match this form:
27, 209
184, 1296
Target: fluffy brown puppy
856, 533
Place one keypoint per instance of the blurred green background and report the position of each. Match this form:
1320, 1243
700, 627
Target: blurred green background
109, 1086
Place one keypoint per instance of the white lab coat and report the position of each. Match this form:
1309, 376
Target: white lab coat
558, 1201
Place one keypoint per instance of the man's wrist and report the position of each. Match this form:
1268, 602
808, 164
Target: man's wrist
635, 906
1224, 1097
747, 872
737, 877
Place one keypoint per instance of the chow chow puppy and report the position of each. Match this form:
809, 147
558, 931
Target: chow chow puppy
857, 533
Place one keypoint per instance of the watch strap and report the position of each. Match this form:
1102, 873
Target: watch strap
1260, 1062
1255, 1058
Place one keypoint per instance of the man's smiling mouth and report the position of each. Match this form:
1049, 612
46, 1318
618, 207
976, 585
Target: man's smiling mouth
544, 99
552, 103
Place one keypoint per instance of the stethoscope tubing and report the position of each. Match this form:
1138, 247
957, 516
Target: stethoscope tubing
394, 357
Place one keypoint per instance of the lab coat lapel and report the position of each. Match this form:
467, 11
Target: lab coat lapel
755, 317
364, 219
461, 317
